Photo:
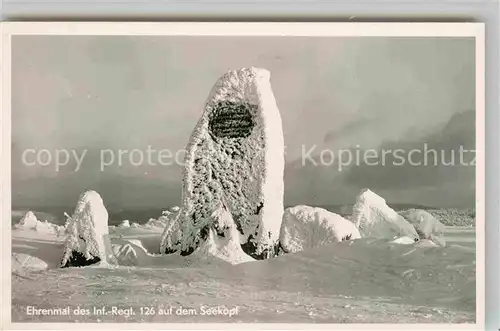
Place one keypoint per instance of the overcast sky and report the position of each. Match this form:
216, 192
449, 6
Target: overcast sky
92, 93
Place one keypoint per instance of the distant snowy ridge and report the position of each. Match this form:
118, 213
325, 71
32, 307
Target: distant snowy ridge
30, 222
455, 217
153, 224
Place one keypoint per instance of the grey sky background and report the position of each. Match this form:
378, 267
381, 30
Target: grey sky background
91, 92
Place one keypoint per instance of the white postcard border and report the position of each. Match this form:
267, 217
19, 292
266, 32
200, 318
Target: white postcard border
9, 29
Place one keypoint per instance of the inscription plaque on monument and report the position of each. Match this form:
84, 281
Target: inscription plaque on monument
232, 119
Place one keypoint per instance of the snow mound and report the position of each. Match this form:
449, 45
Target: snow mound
124, 224
235, 156
374, 218
87, 239
426, 225
23, 262
29, 222
305, 227
404, 241
224, 242
426, 243
175, 209
129, 252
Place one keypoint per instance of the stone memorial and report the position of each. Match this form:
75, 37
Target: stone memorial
234, 160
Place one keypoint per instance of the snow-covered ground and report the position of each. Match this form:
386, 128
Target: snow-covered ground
364, 280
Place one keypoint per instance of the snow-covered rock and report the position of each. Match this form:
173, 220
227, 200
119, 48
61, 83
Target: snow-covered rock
29, 222
374, 218
305, 227
426, 225
235, 158
87, 239
135, 225
175, 209
23, 262
129, 252
124, 224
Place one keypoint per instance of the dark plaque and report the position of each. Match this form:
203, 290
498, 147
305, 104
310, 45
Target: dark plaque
232, 120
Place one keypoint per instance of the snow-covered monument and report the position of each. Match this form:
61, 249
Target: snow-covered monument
87, 239
234, 161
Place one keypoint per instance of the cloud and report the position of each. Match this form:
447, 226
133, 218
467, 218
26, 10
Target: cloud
431, 154
437, 185
130, 92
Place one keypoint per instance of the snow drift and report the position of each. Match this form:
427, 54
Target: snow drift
426, 225
374, 218
305, 227
404, 241
235, 158
87, 233
223, 242
24, 262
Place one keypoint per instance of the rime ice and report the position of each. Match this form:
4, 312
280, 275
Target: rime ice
87, 239
307, 227
224, 243
171, 236
374, 218
235, 160
28, 221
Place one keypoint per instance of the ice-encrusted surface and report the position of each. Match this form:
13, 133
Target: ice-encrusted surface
235, 160
171, 236
87, 232
305, 227
374, 218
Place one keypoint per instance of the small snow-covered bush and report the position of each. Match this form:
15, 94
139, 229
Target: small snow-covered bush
87, 239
